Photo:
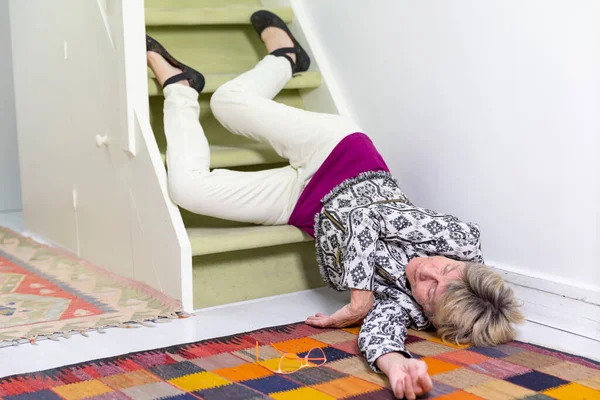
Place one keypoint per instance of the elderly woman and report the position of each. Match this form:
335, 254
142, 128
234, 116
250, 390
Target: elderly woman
405, 266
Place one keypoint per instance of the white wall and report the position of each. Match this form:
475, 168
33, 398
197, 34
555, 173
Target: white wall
10, 190
489, 110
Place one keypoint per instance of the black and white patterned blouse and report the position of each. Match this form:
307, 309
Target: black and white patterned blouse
366, 234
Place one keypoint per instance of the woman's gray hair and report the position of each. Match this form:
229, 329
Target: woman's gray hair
478, 309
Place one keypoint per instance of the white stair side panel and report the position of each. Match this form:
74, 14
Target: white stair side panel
80, 186
161, 250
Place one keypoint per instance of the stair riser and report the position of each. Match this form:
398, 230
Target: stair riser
251, 274
208, 16
307, 80
200, 3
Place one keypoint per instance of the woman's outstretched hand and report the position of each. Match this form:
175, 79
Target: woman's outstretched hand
408, 377
361, 302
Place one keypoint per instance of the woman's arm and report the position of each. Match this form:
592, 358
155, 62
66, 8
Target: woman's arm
381, 340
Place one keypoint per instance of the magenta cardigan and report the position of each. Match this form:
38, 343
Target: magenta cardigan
354, 155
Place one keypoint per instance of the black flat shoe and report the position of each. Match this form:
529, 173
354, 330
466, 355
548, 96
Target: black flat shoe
262, 20
195, 78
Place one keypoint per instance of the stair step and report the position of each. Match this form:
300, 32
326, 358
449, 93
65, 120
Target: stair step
214, 240
209, 16
306, 80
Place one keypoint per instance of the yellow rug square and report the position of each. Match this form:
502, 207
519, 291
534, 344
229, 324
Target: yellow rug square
130, 379
299, 345
272, 364
346, 387
435, 366
499, 390
302, 394
573, 391
199, 381
244, 372
78, 391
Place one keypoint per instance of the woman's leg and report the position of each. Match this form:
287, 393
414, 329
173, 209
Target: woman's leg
264, 197
261, 197
245, 107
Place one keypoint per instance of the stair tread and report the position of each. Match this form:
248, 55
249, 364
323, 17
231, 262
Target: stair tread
231, 156
236, 15
305, 80
224, 239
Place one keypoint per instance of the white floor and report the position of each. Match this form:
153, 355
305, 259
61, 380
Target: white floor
220, 321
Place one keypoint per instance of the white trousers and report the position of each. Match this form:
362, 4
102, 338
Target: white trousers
245, 107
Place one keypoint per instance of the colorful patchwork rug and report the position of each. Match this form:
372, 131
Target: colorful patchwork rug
227, 368
45, 292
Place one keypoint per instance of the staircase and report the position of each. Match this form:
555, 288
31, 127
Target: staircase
231, 261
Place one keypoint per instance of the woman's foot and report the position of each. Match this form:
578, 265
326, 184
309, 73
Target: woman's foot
276, 38
279, 40
168, 70
162, 69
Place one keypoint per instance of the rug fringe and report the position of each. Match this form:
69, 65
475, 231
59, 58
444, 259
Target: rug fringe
147, 323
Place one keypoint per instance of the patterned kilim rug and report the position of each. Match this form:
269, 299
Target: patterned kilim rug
46, 293
226, 368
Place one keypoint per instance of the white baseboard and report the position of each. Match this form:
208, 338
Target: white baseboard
557, 305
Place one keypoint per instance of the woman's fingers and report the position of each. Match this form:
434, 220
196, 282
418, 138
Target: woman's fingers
415, 382
319, 322
399, 389
425, 382
409, 391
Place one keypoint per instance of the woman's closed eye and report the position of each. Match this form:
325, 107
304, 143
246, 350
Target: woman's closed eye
431, 292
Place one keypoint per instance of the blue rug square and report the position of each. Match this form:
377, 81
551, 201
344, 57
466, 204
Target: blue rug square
439, 389
315, 376
332, 354
45, 394
177, 370
488, 351
184, 396
272, 384
230, 392
537, 381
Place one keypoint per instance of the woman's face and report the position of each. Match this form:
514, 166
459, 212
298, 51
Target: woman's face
429, 277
